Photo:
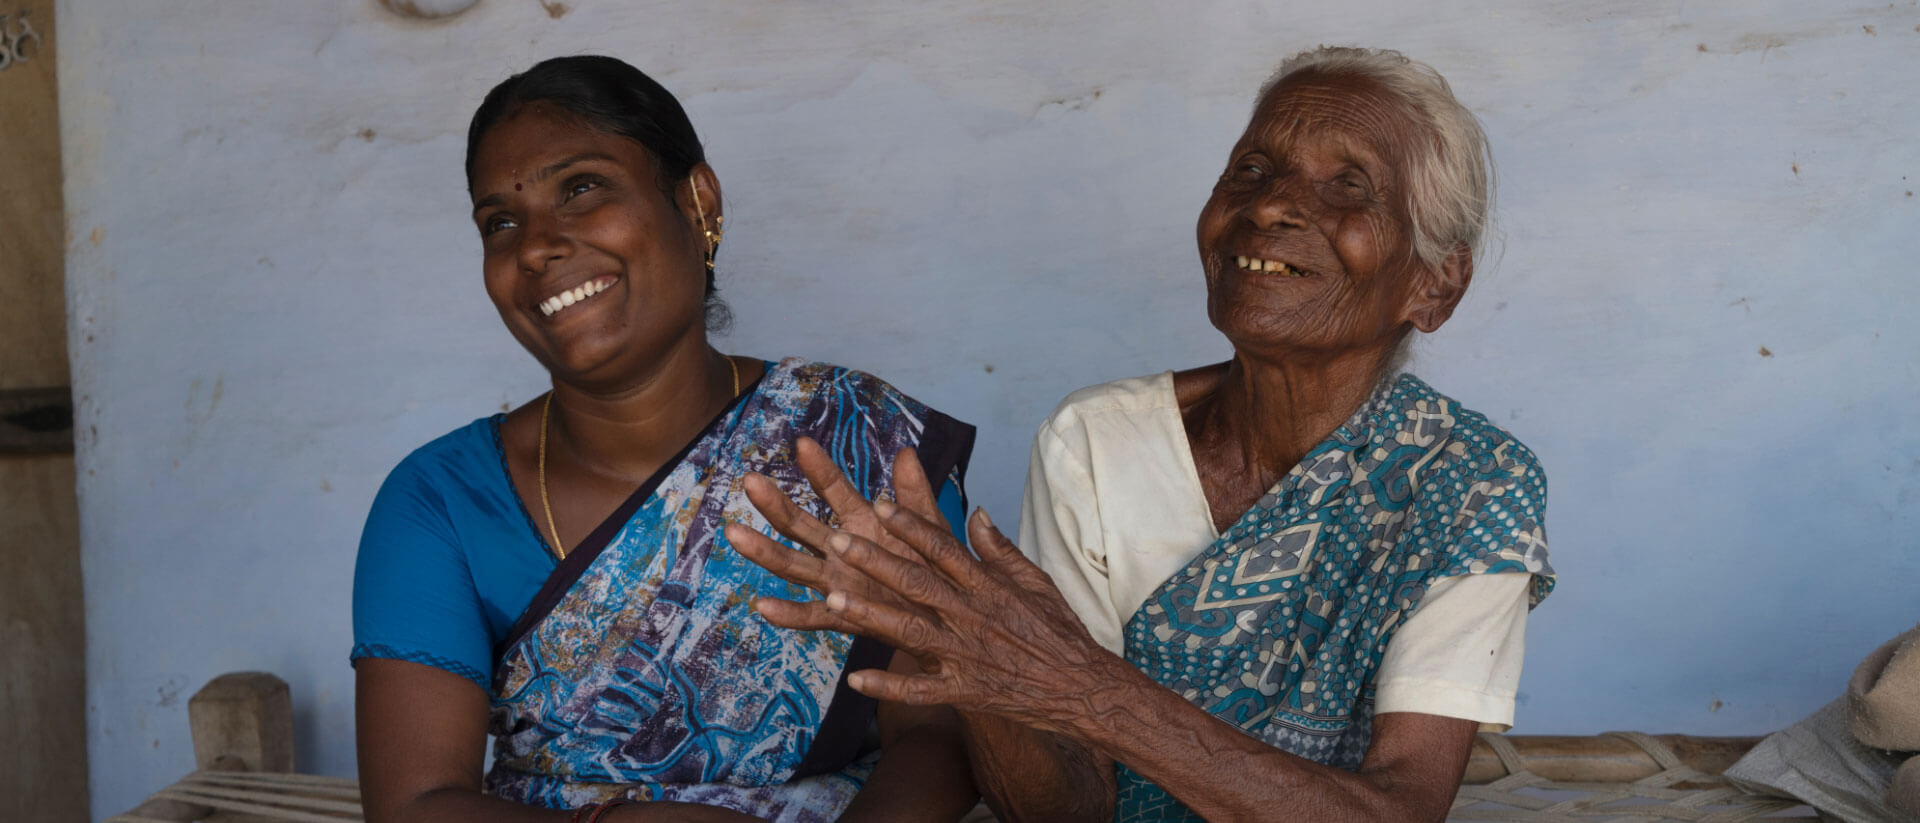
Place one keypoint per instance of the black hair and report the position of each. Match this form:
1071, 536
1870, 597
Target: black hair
612, 97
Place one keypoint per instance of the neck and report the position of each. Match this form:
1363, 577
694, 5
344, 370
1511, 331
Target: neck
629, 431
1270, 411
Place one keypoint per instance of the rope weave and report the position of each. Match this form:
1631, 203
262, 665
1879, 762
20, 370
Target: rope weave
1675, 793
301, 798
1678, 792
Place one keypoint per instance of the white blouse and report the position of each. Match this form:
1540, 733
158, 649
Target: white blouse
1114, 507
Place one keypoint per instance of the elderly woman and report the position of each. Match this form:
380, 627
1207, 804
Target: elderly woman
1290, 586
555, 575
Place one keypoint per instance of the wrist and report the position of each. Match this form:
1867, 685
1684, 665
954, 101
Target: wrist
1113, 705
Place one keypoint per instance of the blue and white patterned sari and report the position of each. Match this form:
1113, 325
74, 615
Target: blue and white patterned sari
1279, 626
641, 669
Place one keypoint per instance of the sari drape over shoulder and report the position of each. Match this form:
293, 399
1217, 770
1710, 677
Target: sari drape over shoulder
641, 669
1280, 624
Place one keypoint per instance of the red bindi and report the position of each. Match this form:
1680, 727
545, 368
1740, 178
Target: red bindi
516, 187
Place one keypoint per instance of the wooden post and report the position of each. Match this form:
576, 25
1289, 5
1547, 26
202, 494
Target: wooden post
243, 721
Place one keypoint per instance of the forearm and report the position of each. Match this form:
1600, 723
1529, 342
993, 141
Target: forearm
1223, 774
1031, 775
922, 775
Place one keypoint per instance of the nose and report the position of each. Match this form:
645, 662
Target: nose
544, 240
1285, 202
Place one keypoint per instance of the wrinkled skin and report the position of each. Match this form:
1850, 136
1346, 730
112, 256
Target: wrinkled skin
1316, 182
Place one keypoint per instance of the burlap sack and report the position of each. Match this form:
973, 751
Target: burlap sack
1883, 697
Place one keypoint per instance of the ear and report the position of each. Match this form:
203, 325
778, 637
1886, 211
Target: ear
1438, 290
699, 198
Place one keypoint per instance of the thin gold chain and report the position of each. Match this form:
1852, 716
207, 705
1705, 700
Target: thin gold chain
546, 411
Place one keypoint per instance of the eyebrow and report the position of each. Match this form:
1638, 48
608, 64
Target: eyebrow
549, 170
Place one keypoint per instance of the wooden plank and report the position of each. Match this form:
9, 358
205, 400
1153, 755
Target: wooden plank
36, 421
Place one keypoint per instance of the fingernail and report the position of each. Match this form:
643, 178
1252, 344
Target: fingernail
857, 680
839, 542
836, 601
985, 520
883, 508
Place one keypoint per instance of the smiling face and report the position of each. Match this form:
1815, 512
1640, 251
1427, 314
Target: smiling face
595, 270
1307, 241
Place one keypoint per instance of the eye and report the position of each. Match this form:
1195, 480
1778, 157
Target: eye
1353, 186
495, 223
581, 185
1245, 170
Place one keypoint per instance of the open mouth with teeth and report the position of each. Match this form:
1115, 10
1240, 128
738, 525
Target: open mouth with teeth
578, 294
1273, 267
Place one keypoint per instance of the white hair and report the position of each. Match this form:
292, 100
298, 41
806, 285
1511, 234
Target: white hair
1450, 183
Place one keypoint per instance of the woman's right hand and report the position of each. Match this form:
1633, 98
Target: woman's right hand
992, 635
855, 515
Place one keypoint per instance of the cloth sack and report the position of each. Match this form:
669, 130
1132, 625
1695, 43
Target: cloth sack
1818, 762
1883, 697
1905, 794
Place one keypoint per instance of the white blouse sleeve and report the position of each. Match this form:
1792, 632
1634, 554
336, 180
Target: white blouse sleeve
1060, 532
1459, 653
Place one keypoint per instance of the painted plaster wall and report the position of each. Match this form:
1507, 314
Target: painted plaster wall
1701, 316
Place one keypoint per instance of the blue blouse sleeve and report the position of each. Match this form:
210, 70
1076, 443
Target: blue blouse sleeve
953, 506
414, 597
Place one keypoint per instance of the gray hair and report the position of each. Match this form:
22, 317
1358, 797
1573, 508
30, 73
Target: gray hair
1450, 183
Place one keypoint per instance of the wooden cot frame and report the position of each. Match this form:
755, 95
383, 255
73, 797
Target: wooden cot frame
242, 725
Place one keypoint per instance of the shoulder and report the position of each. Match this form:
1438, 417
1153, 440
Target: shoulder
459, 458
1128, 400
1476, 444
830, 382
840, 407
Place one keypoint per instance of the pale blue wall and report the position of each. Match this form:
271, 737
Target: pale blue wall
275, 294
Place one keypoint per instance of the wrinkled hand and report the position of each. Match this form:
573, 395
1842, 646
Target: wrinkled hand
993, 635
820, 571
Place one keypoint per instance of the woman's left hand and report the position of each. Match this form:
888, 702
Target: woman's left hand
993, 635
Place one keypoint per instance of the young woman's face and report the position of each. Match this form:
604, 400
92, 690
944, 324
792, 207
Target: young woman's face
595, 269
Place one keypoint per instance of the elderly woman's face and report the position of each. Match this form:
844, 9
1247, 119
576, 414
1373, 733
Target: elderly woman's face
1306, 241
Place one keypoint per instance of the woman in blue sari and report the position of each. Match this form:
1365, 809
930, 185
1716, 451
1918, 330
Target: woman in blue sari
1290, 586
556, 575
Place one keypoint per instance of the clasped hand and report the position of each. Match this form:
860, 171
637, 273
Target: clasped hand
990, 635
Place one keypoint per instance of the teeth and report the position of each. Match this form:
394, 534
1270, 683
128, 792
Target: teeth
552, 305
1255, 264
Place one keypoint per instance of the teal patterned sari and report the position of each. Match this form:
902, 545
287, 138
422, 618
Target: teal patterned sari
1279, 626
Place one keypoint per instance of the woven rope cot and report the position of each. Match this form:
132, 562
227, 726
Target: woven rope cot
1623, 777
243, 742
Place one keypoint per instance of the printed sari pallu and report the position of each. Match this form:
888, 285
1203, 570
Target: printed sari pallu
641, 669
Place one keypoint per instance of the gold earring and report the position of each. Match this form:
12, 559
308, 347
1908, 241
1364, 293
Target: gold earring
719, 222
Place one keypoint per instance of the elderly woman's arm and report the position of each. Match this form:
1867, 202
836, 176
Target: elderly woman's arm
1008, 646
1026, 774
1045, 705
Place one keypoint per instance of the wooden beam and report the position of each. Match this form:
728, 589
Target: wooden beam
1603, 759
36, 421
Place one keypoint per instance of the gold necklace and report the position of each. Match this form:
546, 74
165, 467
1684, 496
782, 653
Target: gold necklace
546, 411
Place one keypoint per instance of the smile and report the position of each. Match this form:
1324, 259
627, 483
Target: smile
578, 294
1269, 267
